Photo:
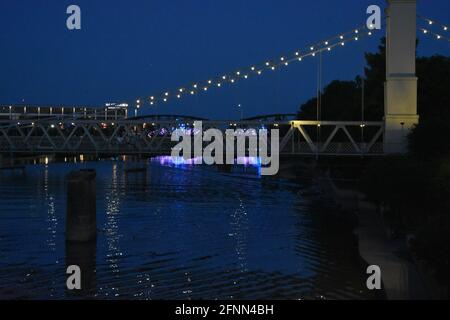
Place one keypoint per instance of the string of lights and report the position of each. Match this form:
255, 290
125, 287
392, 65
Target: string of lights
435, 35
431, 22
258, 69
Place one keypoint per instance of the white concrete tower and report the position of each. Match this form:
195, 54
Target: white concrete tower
400, 105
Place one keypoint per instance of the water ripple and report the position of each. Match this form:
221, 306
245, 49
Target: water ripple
174, 233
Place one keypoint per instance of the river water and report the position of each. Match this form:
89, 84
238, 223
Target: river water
176, 231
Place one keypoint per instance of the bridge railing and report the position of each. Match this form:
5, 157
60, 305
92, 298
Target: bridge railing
127, 136
334, 138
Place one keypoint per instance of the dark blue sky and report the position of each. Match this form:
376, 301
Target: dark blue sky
129, 49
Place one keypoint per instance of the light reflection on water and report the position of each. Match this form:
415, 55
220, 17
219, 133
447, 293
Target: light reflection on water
175, 231
180, 161
111, 230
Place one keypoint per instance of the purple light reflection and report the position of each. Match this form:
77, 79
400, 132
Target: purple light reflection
176, 161
249, 161
180, 161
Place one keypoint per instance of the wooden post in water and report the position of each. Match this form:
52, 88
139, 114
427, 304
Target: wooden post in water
81, 223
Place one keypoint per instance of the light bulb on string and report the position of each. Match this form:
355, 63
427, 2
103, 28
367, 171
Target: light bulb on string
327, 45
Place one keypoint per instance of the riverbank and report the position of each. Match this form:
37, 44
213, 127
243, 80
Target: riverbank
403, 276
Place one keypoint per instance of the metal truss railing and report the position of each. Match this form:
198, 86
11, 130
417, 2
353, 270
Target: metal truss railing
128, 136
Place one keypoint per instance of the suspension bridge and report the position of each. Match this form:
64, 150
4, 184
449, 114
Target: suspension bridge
117, 129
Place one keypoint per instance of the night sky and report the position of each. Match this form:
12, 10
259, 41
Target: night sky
130, 49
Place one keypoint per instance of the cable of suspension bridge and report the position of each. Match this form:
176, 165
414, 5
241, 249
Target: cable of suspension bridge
435, 35
319, 99
434, 22
256, 70
431, 26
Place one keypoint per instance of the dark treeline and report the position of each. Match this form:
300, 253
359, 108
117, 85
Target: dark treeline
415, 188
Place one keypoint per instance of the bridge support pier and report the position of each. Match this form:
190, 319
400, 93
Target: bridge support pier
401, 81
81, 220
